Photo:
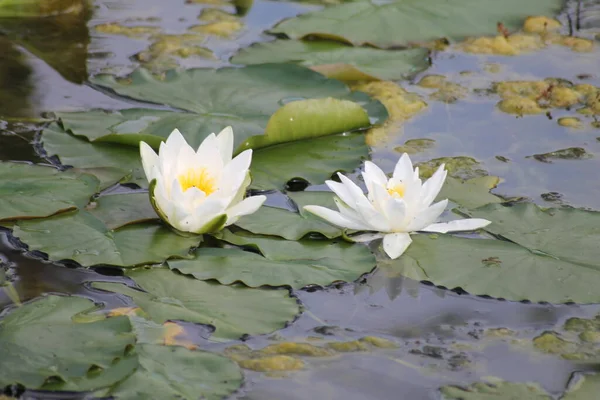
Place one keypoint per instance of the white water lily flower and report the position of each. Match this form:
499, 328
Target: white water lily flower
199, 191
394, 207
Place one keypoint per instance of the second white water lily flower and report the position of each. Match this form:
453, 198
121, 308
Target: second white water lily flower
394, 207
199, 191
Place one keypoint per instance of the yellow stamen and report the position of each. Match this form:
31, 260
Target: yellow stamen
199, 178
396, 190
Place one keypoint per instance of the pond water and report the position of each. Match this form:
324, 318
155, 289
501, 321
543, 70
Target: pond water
443, 337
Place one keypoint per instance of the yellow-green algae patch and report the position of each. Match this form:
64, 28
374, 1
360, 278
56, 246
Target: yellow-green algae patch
225, 29
458, 167
414, 146
379, 342
300, 349
541, 24
344, 347
401, 105
448, 92
570, 122
272, 363
129, 31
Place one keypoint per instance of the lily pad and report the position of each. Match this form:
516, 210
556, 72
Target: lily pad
565, 234
499, 269
43, 346
471, 193
495, 390
244, 98
586, 387
109, 162
281, 262
33, 191
408, 21
292, 225
233, 310
86, 239
572, 153
314, 160
170, 372
118, 210
337, 60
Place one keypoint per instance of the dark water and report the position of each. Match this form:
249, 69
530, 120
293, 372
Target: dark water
34, 80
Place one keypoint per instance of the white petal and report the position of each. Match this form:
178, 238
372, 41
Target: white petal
348, 212
234, 174
149, 160
433, 185
394, 244
342, 192
336, 218
203, 214
404, 169
168, 153
225, 143
245, 207
373, 175
469, 224
376, 219
395, 210
427, 216
366, 237
356, 192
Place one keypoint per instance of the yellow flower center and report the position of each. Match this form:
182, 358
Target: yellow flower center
199, 178
396, 190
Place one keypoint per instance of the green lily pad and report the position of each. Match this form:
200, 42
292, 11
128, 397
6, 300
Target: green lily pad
495, 390
37, 8
292, 225
110, 163
498, 268
586, 387
43, 346
314, 160
33, 191
86, 239
471, 193
566, 234
403, 22
170, 372
461, 167
233, 310
118, 210
244, 98
338, 61
281, 262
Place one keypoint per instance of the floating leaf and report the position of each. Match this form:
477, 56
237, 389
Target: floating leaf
33, 191
244, 98
233, 310
117, 210
281, 262
408, 21
109, 162
567, 234
38, 8
86, 239
44, 347
495, 390
312, 160
498, 268
587, 387
292, 225
338, 61
471, 193
170, 372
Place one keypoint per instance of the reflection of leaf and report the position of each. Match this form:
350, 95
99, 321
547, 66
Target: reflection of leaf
501, 269
292, 225
232, 310
61, 41
43, 347
406, 21
313, 160
283, 262
244, 98
86, 239
30, 191
337, 60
